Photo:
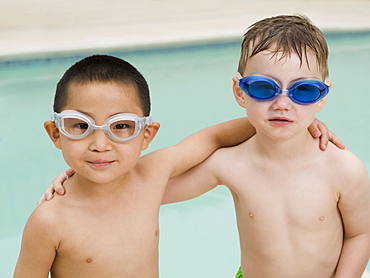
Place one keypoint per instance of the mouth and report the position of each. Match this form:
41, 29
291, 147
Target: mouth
100, 163
280, 121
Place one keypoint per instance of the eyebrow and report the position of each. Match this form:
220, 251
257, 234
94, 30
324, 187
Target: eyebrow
88, 114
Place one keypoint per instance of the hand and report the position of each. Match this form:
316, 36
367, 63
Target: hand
56, 186
319, 129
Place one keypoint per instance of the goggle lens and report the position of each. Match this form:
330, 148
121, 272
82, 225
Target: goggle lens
306, 93
261, 90
74, 126
123, 128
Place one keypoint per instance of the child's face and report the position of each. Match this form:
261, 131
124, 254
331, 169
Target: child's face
279, 118
96, 157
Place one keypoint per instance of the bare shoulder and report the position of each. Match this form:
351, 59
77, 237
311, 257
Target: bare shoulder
234, 151
42, 230
150, 159
40, 240
234, 154
346, 161
155, 165
223, 162
47, 214
349, 171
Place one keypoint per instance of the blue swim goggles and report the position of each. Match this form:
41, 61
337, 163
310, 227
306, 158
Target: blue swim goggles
261, 88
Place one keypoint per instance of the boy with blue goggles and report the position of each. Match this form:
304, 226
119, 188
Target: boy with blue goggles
304, 92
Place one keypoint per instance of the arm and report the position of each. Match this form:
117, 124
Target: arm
354, 205
37, 250
196, 181
181, 157
317, 129
198, 146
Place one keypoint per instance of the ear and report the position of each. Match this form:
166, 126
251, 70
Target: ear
321, 104
53, 133
323, 101
149, 134
238, 93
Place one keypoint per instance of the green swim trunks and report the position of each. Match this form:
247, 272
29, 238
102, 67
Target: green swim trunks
239, 273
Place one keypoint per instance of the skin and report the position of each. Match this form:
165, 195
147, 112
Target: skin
107, 196
300, 212
106, 225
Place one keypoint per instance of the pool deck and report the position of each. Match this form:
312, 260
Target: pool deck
57, 27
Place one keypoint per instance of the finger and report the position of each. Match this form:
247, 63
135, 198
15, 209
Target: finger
57, 184
314, 129
58, 188
45, 197
324, 140
336, 141
60, 179
324, 134
69, 173
49, 193
40, 200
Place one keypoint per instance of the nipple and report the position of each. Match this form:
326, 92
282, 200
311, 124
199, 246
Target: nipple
89, 260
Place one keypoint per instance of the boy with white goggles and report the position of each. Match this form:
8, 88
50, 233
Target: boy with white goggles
121, 128
108, 222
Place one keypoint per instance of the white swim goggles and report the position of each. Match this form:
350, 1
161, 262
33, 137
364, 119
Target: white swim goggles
120, 128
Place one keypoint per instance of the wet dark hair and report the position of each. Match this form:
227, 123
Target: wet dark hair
287, 34
102, 68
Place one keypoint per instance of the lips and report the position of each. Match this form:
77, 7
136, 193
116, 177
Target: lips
281, 121
100, 163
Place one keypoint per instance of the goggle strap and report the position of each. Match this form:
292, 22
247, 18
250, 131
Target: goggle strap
148, 120
238, 75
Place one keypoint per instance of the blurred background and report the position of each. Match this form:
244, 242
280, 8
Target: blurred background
40, 26
188, 52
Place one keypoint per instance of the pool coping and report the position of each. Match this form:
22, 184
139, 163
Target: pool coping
50, 56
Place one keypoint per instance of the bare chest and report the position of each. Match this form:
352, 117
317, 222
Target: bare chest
304, 199
112, 243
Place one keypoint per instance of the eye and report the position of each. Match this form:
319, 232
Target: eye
307, 88
75, 126
121, 126
81, 125
261, 85
265, 87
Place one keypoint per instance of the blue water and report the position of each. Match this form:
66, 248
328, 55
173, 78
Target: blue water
191, 89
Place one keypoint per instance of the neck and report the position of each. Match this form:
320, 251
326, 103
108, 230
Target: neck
80, 186
285, 150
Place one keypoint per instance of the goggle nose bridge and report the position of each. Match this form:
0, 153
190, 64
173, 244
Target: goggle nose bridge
104, 127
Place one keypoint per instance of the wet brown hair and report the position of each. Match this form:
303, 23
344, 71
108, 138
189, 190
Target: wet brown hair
289, 34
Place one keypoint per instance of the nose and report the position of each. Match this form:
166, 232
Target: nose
282, 102
99, 141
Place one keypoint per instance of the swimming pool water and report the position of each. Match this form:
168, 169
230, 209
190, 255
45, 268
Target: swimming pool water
191, 89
